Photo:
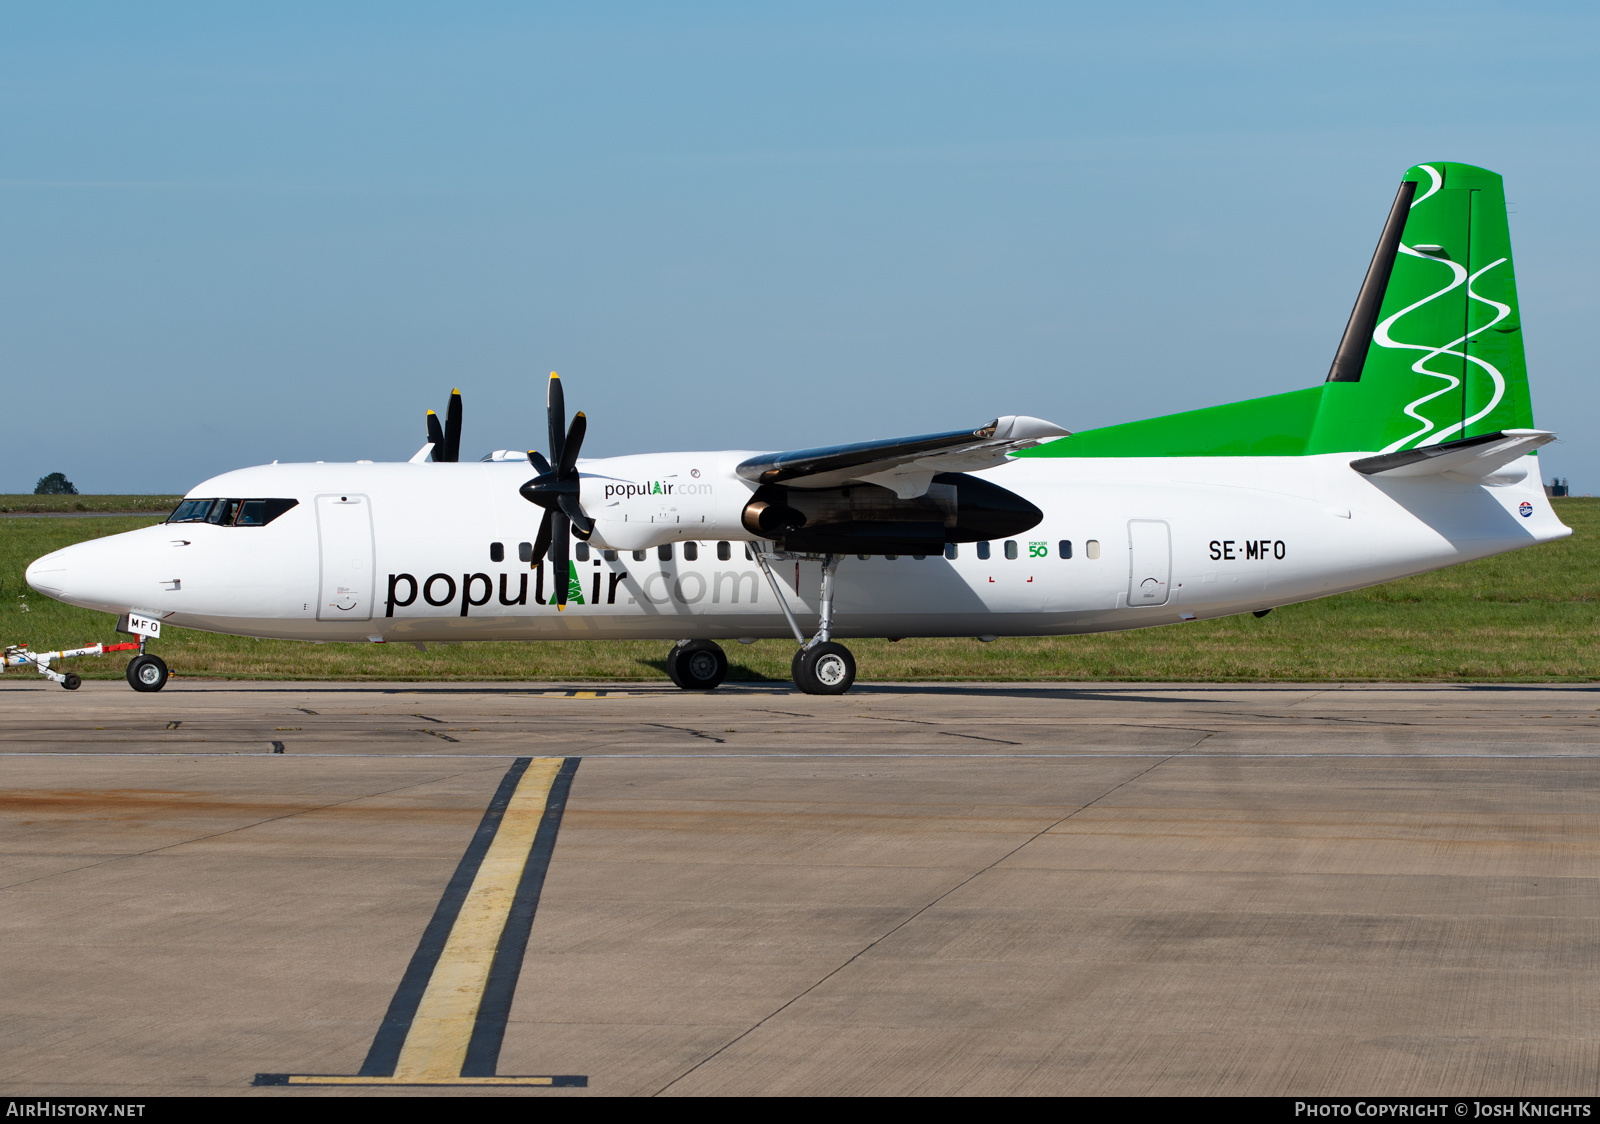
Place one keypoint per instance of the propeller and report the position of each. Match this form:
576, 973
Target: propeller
446, 439
556, 490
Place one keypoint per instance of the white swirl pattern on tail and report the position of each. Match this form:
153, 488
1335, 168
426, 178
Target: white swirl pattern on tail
1501, 312
1381, 336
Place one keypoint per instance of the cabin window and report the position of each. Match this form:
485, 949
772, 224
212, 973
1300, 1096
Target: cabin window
891, 557
724, 551
223, 512
497, 552
691, 552
1092, 548
610, 556
1011, 548
918, 557
863, 557
525, 551
1066, 548
664, 552
583, 551
640, 555
951, 551
983, 551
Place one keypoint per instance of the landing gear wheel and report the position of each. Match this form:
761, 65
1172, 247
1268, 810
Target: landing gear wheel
697, 665
71, 682
824, 669
147, 673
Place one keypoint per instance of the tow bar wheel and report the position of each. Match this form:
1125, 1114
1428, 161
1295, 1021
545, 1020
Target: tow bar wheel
147, 673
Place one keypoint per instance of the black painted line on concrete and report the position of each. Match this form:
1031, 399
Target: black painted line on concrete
977, 738
391, 1036
689, 730
494, 1009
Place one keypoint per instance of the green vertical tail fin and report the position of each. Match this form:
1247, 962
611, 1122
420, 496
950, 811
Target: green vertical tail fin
1432, 352
1433, 349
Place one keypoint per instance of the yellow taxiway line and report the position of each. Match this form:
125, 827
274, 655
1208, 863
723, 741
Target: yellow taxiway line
440, 1033
437, 1043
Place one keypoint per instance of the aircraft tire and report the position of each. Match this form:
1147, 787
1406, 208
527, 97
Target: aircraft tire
147, 673
824, 669
697, 665
71, 681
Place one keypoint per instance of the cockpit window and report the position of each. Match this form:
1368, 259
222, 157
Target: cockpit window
191, 511
231, 513
258, 513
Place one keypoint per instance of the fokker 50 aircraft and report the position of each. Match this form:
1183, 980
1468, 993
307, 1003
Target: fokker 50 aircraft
1416, 452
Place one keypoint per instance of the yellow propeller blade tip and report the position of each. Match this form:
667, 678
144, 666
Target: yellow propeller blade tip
561, 608
554, 375
432, 414
455, 392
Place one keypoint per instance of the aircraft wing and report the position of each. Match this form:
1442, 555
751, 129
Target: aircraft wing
906, 465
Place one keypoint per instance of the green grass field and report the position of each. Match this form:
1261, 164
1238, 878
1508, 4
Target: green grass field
1531, 615
31, 505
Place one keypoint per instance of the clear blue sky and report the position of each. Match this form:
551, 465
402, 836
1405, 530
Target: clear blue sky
235, 233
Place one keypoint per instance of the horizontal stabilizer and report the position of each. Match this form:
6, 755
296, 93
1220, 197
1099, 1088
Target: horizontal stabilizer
906, 465
1476, 459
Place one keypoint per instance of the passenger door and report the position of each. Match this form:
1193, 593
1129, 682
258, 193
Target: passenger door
344, 531
1149, 562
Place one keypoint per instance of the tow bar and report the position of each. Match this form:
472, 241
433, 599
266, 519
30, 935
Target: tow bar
145, 672
18, 656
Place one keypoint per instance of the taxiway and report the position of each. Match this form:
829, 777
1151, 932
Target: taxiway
935, 888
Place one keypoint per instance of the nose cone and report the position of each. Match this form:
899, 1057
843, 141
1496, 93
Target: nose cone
48, 575
95, 574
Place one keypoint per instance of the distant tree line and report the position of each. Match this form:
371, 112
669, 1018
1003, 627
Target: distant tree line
56, 484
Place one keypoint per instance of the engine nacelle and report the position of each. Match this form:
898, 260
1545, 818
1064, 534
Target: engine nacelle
870, 519
653, 499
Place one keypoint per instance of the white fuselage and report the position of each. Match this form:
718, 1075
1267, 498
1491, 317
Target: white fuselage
1153, 541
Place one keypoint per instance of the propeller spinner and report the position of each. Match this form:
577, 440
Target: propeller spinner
556, 490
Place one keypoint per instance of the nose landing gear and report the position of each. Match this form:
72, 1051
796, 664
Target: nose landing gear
147, 673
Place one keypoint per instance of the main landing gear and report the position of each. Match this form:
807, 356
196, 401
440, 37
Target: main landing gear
697, 665
821, 666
